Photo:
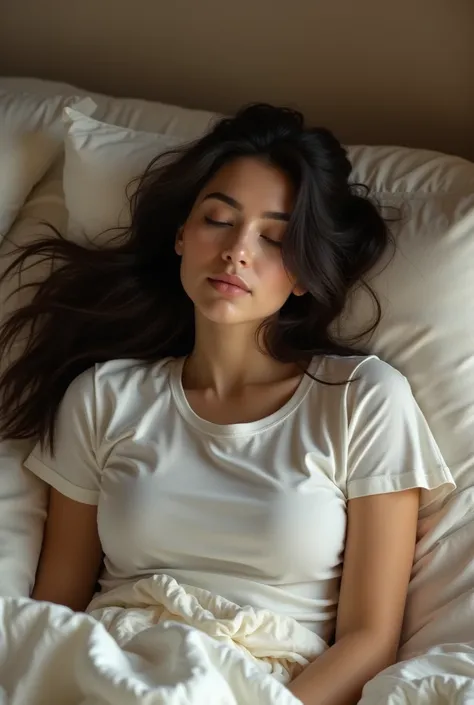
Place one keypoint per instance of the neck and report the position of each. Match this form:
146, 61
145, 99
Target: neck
227, 358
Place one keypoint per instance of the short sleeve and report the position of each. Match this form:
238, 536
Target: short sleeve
73, 470
390, 446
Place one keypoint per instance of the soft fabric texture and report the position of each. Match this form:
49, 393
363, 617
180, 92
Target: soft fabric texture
151, 643
45, 204
278, 645
101, 161
444, 675
256, 511
23, 498
156, 642
105, 154
23, 502
31, 137
136, 114
427, 332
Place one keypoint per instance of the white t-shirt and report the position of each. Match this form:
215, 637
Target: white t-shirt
255, 512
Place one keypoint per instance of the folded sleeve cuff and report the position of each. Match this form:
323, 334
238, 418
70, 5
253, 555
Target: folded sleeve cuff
434, 485
51, 477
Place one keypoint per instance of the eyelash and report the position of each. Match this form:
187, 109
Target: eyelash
223, 224
217, 223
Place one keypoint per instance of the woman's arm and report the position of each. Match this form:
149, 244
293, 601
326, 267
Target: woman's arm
380, 544
71, 555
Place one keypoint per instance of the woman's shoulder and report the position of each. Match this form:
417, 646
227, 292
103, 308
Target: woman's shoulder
364, 373
126, 371
116, 377
117, 394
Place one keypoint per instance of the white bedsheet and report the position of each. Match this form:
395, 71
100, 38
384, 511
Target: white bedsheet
155, 642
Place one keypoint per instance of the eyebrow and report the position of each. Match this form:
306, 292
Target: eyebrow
273, 215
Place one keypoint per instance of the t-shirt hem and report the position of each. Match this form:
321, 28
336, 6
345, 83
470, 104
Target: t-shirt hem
59, 483
440, 480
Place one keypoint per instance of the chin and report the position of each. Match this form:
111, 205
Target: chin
223, 313
224, 318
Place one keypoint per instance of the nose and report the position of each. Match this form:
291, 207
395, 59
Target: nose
238, 250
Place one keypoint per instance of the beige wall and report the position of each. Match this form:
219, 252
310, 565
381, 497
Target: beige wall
372, 70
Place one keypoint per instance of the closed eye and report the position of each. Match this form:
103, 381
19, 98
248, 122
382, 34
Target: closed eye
217, 223
276, 243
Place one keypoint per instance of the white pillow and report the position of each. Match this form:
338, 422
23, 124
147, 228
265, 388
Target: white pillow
45, 204
23, 506
101, 160
138, 114
23, 499
31, 135
427, 332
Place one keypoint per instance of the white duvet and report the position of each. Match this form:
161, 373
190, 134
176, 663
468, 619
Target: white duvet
442, 676
150, 643
156, 642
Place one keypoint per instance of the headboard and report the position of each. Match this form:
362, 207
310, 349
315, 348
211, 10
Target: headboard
374, 72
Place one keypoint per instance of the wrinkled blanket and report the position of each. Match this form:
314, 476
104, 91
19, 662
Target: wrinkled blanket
150, 643
442, 676
156, 642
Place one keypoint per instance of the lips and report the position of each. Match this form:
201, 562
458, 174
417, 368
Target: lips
232, 280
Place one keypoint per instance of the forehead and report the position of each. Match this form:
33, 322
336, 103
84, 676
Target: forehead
254, 183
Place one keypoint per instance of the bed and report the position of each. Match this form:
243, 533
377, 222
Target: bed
87, 146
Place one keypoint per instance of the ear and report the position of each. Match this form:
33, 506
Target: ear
299, 291
178, 244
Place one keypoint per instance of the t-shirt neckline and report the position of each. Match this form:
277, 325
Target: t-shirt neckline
237, 429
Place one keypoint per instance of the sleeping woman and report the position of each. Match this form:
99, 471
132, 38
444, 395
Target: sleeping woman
194, 417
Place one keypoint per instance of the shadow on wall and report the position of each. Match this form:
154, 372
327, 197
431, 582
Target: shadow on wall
373, 72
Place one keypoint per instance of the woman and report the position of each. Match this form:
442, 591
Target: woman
196, 418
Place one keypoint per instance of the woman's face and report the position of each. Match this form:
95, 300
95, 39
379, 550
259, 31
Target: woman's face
232, 267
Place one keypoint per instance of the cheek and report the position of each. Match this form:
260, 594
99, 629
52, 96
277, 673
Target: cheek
276, 279
197, 256
197, 245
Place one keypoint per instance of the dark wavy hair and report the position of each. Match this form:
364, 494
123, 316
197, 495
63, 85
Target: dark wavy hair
125, 299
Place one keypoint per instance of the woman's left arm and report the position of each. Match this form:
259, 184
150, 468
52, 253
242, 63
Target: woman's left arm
379, 551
